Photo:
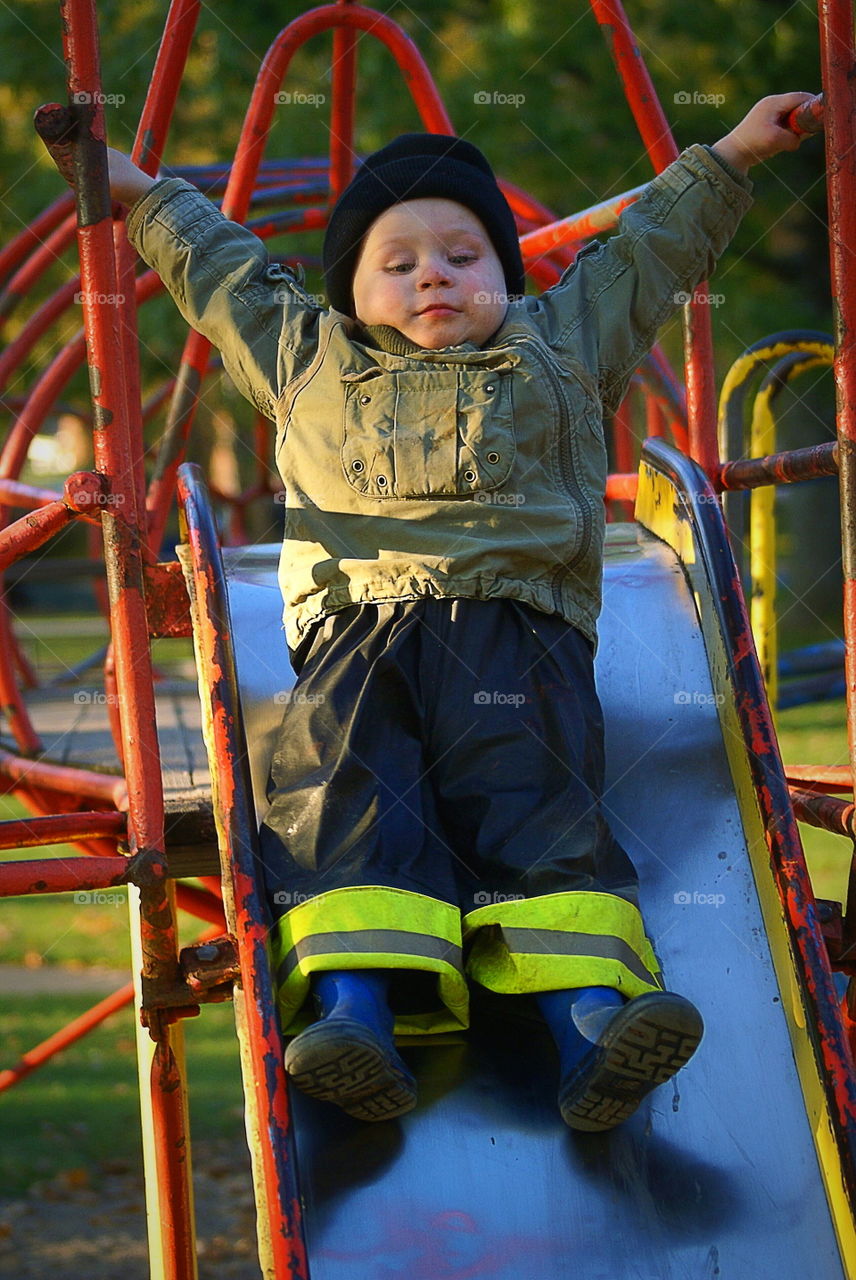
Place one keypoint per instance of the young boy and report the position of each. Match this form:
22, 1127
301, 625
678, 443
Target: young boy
434, 798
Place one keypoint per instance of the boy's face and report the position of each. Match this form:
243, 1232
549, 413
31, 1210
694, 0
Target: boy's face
428, 268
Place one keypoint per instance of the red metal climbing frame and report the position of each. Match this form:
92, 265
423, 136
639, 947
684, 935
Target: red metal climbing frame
117, 822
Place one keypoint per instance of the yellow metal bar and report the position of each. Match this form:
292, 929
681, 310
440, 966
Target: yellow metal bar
762, 546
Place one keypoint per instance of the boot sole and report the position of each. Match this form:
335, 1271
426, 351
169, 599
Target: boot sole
341, 1062
644, 1046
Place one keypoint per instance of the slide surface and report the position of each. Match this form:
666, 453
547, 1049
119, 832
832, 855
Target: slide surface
717, 1174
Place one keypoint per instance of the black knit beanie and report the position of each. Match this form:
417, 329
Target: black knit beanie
412, 167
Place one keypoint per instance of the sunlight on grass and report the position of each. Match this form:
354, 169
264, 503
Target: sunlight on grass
81, 1109
817, 734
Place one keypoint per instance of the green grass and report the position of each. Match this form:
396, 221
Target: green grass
56, 928
81, 1110
817, 734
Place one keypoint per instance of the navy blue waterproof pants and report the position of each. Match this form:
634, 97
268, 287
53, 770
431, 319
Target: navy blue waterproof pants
453, 748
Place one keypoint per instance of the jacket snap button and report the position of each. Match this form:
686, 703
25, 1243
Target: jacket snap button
357, 466
490, 388
469, 476
493, 457
365, 399
381, 480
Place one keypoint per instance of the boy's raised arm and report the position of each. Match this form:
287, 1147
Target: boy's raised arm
609, 306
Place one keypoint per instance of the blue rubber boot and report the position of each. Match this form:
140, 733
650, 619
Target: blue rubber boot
348, 1056
613, 1052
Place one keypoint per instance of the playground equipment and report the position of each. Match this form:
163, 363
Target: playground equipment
750, 1165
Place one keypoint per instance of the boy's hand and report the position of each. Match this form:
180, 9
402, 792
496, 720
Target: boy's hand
762, 133
127, 182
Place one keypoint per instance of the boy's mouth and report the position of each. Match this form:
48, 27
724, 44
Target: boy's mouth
438, 309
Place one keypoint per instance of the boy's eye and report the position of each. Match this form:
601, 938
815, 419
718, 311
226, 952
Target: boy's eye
400, 267
462, 259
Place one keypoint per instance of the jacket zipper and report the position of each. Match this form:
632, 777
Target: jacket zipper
566, 466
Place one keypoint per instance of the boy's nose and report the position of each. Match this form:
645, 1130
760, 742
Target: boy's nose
433, 273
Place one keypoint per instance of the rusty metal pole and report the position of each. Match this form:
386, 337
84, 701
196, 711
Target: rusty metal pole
119, 458
837, 66
342, 109
660, 145
837, 63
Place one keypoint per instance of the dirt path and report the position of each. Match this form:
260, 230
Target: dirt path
75, 1228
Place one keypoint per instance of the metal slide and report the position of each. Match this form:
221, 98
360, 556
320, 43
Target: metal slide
732, 1170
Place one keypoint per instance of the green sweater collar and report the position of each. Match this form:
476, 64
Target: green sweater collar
394, 342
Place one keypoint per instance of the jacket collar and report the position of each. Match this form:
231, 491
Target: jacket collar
395, 343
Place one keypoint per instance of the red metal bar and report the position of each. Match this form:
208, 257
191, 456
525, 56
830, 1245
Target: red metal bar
31, 236
818, 777
342, 109
173, 1149
808, 117
202, 903
661, 148
32, 531
827, 812
277, 60
14, 355
165, 83
578, 227
11, 699
780, 468
61, 875
268, 1107
38, 405
623, 437
114, 454
45, 257
49, 385
622, 488
15, 494
46, 803
655, 420
85, 783
25, 833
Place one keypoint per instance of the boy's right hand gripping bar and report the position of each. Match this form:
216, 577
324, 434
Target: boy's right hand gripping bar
807, 117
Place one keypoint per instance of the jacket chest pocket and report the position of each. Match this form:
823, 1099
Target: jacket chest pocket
427, 433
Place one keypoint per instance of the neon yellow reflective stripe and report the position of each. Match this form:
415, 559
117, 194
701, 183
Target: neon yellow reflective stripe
372, 927
558, 941
372, 907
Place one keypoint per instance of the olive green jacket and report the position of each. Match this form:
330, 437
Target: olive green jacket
466, 471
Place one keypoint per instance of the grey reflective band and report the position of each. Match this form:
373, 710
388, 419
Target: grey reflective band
389, 941
555, 942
